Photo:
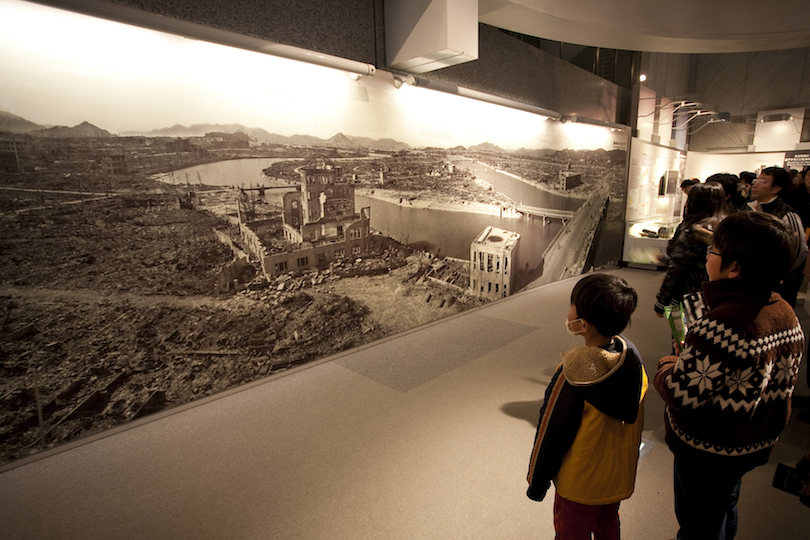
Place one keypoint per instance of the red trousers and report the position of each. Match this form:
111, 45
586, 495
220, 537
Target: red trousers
575, 521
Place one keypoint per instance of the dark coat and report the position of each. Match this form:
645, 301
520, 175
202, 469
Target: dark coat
686, 267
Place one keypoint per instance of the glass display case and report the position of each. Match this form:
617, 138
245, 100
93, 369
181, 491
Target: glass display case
654, 205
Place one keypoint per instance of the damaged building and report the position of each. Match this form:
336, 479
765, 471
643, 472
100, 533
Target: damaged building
567, 179
494, 263
10, 152
320, 220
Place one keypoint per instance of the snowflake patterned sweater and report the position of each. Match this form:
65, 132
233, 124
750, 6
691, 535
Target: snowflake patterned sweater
728, 393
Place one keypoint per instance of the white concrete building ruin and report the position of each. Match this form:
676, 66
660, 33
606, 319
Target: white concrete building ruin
494, 256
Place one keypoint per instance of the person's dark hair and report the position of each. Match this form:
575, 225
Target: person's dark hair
747, 177
781, 178
761, 245
605, 301
688, 182
726, 181
704, 201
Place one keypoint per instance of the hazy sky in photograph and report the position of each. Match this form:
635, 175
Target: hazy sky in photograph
61, 68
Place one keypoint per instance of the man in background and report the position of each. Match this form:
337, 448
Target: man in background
766, 190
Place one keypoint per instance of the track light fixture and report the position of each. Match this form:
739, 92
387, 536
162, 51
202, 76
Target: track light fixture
780, 117
412, 80
583, 120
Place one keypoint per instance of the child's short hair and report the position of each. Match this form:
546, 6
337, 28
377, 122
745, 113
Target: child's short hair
605, 301
760, 244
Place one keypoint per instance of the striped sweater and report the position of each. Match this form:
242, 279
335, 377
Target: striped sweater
728, 393
780, 209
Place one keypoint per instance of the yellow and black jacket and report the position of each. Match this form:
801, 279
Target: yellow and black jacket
590, 426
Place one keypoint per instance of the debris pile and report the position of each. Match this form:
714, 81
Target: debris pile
110, 312
113, 245
453, 272
90, 363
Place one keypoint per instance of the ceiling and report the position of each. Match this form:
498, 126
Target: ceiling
684, 26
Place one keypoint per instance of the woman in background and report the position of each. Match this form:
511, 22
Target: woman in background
686, 266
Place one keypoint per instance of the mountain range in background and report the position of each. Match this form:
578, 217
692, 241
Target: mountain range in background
10, 123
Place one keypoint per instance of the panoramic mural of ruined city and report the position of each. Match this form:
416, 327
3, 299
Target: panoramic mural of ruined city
180, 218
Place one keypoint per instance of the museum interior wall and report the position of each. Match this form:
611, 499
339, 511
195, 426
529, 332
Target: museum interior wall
509, 68
433, 169
738, 83
741, 84
354, 29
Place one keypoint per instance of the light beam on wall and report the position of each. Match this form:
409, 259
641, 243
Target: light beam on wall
593, 121
152, 21
412, 80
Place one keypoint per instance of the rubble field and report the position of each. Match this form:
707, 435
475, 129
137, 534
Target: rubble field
110, 312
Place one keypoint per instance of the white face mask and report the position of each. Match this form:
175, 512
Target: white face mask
568, 328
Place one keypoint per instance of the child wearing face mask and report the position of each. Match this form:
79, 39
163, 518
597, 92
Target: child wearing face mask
589, 432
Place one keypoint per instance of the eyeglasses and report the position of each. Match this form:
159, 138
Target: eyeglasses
710, 251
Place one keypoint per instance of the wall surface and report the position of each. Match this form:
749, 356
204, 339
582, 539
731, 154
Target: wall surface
747, 83
669, 74
350, 28
354, 29
741, 84
724, 136
510, 68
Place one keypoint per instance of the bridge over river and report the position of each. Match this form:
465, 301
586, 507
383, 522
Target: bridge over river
552, 213
566, 255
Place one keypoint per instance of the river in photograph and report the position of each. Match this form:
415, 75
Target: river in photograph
519, 191
446, 232
453, 232
240, 173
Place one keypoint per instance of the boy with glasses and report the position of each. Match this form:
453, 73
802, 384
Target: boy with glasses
728, 392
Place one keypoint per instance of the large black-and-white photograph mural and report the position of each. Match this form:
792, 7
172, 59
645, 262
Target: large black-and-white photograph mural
180, 218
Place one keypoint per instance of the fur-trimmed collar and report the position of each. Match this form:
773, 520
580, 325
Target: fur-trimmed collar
591, 365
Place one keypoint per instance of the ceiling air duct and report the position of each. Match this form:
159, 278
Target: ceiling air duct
425, 35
